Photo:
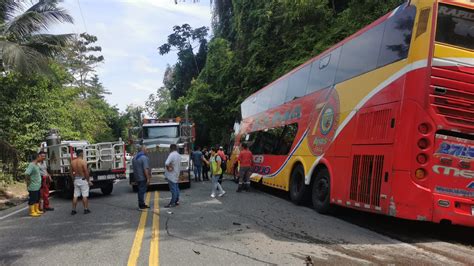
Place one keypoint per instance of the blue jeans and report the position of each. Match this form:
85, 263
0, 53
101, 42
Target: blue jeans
215, 185
174, 189
141, 192
197, 172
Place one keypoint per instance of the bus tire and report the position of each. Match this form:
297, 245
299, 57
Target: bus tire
107, 189
321, 191
298, 189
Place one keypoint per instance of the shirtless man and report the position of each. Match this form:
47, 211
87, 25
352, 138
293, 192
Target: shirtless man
81, 178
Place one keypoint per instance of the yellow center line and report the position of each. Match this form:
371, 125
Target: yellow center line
155, 234
137, 243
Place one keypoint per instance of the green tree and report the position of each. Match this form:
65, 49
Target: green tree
189, 65
24, 45
81, 59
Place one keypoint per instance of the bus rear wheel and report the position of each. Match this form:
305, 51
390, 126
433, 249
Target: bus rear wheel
321, 191
298, 189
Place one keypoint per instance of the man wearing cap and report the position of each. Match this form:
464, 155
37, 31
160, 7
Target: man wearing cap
81, 178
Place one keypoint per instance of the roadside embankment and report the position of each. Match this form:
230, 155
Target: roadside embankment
12, 195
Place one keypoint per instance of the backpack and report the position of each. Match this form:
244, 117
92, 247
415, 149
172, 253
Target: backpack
223, 164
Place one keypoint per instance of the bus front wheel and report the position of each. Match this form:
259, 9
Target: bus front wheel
298, 189
321, 191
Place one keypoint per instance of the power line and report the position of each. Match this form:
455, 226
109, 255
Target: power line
82, 15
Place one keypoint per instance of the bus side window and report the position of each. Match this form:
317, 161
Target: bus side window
298, 82
360, 54
397, 36
323, 71
278, 92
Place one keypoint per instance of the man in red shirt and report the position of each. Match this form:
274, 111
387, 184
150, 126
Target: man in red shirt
246, 162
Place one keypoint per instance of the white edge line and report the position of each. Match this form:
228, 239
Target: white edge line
13, 213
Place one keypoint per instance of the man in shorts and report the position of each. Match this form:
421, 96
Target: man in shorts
81, 178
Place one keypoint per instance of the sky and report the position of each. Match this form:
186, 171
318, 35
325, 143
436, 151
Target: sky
130, 32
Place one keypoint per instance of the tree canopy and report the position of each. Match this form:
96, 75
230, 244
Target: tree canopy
24, 45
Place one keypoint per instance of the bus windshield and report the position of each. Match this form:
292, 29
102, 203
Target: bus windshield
455, 26
160, 132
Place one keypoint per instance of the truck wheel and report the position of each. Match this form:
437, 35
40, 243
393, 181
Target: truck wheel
321, 191
298, 189
107, 189
135, 188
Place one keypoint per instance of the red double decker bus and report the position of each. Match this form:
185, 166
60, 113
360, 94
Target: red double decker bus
382, 122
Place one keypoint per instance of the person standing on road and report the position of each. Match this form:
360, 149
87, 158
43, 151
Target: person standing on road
33, 183
142, 175
172, 171
82, 182
245, 160
205, 167
216, 170
46, 180
221, 154
196, 156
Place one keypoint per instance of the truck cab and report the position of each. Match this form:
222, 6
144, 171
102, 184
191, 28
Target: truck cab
158, 135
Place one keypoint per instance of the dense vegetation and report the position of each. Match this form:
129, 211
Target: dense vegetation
48, 81
253, 43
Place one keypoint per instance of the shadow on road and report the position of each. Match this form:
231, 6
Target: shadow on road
403, 230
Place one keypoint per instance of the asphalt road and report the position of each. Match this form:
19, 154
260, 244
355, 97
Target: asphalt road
251, 228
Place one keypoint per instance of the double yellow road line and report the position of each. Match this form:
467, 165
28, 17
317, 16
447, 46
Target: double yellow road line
155, 234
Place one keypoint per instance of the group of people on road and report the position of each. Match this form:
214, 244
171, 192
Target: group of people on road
38, 179
216, 162
142, 175
203, 162
213, 161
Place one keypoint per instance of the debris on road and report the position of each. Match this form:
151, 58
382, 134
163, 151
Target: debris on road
234, 223
197, 252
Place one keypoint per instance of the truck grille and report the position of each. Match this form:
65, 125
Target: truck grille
452, 95
157, 159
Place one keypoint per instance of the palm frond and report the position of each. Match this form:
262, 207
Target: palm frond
8, 9
23, 59
49, 45
38, 17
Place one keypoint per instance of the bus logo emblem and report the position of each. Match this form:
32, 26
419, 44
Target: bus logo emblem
327, 120
323, 124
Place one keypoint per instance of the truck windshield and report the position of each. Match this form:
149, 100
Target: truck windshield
455, 26
160, 132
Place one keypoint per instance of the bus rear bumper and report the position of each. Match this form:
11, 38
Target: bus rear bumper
456, 210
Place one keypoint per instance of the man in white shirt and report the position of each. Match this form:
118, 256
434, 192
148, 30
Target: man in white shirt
172, 171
